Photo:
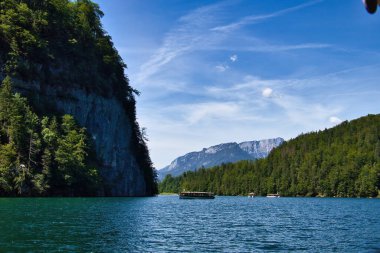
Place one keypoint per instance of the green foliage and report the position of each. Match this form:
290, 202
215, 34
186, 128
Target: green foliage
169, 184
41, 156
342, 161
62, 43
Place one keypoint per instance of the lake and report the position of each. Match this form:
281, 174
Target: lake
166, 223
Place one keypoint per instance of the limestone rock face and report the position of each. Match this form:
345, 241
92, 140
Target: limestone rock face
110, 128
260, 149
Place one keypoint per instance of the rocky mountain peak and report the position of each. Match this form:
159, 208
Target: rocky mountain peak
218, 154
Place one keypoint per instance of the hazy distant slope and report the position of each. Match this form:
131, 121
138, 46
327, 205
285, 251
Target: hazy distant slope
218, 154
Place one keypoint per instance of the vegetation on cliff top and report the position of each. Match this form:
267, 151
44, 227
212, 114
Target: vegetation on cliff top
61, 43
343, 161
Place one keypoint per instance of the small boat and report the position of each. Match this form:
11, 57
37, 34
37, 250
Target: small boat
196, 195
251, 195
273, 195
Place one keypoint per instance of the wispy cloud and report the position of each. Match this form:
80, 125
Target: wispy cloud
304, 113
279, 48
211, 110
249, 101
221, 67
197, 31
249, 20
262, 46
291, 99
183, 38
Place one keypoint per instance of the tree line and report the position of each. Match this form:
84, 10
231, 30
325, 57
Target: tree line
343, 161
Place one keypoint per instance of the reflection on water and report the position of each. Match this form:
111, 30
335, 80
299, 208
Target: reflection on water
166, 223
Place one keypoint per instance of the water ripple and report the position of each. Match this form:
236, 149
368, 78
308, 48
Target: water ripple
168, 224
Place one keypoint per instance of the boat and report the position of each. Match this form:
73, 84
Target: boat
196, 195
251, 195
273, 195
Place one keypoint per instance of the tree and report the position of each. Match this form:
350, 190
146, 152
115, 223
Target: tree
335, 162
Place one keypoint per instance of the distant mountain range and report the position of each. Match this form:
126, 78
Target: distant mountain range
222, 153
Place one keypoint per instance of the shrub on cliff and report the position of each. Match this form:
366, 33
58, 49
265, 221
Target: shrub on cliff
42, 156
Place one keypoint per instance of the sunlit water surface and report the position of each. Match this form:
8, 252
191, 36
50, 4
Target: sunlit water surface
166, 223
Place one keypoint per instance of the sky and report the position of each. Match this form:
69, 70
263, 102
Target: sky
212, 72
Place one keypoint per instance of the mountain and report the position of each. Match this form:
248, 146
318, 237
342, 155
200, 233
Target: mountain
58, 55
222, 153
343, 161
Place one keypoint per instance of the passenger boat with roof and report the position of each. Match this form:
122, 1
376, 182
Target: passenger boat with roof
273, 195
196, 195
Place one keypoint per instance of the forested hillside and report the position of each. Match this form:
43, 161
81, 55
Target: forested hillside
343, 161
58, 55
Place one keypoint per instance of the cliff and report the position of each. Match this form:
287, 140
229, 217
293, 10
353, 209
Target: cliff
59, 56
111, 130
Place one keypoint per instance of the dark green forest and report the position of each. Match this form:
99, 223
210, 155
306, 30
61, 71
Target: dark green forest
42, 156
343, 161
62, 44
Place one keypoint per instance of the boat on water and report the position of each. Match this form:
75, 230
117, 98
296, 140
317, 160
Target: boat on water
251, 195
273, 195
196, 195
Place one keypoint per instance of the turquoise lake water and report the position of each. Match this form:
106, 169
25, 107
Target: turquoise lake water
166, 223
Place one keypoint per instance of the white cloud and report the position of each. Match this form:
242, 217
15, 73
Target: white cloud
233, 58
335, 120
267, 92
221, 68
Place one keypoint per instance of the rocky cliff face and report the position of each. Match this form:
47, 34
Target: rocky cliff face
260, 149
222, 153
110, 128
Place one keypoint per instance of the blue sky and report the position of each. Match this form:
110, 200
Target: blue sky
211, 72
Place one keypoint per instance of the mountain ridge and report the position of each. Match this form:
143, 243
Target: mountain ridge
218, 154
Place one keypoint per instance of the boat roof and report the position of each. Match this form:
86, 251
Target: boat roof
197, 192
